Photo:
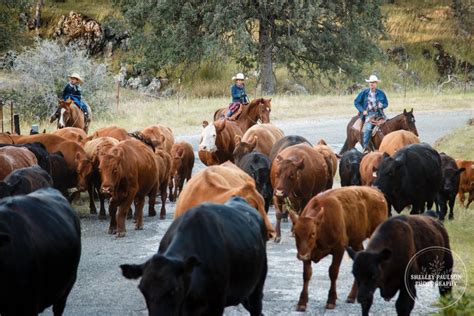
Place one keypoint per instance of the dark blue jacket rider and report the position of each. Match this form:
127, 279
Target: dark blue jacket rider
74, 93
361, 102
238, 94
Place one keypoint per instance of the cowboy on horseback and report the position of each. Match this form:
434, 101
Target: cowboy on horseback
72, 91
239, 97
370, 103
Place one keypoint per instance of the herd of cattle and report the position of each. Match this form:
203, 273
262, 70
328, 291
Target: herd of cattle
214, 253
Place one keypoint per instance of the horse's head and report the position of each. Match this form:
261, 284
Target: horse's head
65, 112
409, 121
264, 109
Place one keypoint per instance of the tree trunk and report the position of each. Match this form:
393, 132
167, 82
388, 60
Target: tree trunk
265, 58
39, 7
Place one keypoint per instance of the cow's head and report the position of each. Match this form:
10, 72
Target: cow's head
451, 178
306, 233
208, 137
409, 121
111, 173
389, 176
242, 148
84, 170
176, 161
285, 175
367, 272
164, 282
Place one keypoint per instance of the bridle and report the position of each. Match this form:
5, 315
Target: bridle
77, 116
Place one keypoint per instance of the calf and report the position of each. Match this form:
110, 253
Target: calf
202, 263
161, 136
40, 248
384, 263
163, 164
257, 165
286, 142
182, 163
327, 152
128, 173
40, 152
449, 186
349, 167
368, 167
12, 158
331, 221
412, 177
466, 183
298, 173
25, 180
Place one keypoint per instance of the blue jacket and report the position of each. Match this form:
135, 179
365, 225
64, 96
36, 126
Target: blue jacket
74, 92
362, 99
238, 94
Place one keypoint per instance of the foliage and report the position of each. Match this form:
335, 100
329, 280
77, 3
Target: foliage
12, 28
43, 72
312, 37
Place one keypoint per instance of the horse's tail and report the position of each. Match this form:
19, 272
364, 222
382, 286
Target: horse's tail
146, 140
345, 147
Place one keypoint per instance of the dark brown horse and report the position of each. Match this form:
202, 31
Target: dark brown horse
71, 115
256, 110
405, 121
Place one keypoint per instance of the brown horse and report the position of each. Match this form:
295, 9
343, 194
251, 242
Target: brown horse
256, 110
405, 121
72, 116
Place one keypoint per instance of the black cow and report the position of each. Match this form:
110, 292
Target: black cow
211, 257
285, 142
40, 248
393, 244
449, 188
258, 165
349, 168
39, 151
412, 177
64, 178
25, 180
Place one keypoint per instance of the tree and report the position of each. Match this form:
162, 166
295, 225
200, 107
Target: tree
308, 37
12, 26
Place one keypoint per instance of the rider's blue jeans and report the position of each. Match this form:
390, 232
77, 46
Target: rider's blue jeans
367, 130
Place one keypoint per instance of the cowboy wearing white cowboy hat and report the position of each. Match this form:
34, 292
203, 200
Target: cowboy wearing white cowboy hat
72, 91
370, 103
239, 97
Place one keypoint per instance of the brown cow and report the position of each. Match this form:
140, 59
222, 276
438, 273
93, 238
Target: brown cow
218, 141
368, 167
466, 182
128, 173
331, 221
298, 173
396, 140
12, 158
160, 136
111, 131
219, 183
94, 149
327, 152
260, 137
163, 163
182, 163
71, 133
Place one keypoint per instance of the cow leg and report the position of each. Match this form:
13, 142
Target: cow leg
151, 202
442, 208
351, 298
389, 209
333, 273
405, 303
139, 204
278, 216
163, 191
122, 214
254, 303
471, 198
113, 217
307, 274
90, 191
171, 187
452, 200
102, 214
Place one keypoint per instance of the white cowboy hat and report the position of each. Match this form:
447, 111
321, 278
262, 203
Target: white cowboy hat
77, 76
372, 78
239, 76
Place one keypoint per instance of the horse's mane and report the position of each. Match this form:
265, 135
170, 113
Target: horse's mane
144, 139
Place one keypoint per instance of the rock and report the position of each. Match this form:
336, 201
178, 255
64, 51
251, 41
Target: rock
122, 75
7, 60
153, 89
293, 88
168, 92
398, 55
134, 83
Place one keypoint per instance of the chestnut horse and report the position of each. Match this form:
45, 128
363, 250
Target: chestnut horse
256, 110
72, 116
405, 121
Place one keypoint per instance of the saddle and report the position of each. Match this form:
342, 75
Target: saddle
376, 121
236, 114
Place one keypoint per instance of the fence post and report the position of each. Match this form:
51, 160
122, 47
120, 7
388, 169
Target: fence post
11, 117
117, 96
1, 112
16, 120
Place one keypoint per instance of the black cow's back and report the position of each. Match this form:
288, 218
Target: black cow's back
26, 180
286, 142
39, 263
349, 167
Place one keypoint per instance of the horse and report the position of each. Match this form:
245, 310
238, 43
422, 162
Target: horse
256, 110
218, 141
405, 121
72, 116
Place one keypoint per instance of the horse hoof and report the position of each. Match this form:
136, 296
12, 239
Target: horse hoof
301, 308
120, 234
277, 239
350, 300
330, 306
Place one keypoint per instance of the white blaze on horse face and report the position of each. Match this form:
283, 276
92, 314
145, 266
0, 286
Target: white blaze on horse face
208, 139
61, 118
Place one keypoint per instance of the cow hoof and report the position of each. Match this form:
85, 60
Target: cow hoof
284, 219
350, 300
112, 231
162, 216
330, 306
93, 212
138, 227
451, 218
277, 239
301, 308
151, 213
120, 235
102, 216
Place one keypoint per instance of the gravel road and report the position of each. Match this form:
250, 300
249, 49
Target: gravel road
101, 290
